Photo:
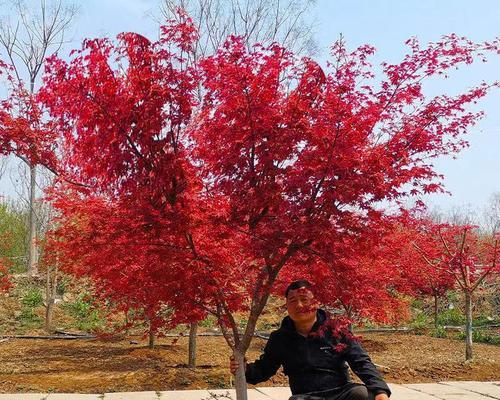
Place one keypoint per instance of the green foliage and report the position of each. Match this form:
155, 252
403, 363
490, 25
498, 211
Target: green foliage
451, 317
417, 303
216, 383
184, 381
453, 296
481, 337
268, 326
29, 318
484, 320
13, 234
419, 323
62, 285
438, 332
208, 322
87, 317
32, 298
243, 322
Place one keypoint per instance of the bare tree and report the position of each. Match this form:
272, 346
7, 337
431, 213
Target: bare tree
491, 214
463, 215
3, 165
258, 21
27, 39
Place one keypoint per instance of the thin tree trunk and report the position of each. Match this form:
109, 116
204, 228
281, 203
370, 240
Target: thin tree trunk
435, 310
32, 245
193, 328
468, 326
240, 379
126, 323
50, 297
151, 342
48, 302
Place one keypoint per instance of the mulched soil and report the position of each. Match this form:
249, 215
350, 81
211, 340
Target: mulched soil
96, 366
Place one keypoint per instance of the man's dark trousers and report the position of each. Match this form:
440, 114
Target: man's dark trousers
351, 391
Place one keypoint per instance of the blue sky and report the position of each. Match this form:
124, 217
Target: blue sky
386, 24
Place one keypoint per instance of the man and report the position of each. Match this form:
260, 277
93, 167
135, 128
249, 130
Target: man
314, 363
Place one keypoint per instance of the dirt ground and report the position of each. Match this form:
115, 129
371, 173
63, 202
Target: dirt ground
94, 366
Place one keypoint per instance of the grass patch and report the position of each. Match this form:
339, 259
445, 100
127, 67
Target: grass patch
87, 318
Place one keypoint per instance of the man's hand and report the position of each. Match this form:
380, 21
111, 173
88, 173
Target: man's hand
381, 396
233, 365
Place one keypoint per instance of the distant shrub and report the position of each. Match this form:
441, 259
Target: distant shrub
208, 322
29, 319
87, 318
32, 298
439, 332
451, 317
419, 323
481, 337
482, 319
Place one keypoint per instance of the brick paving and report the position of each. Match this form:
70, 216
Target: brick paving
420, 391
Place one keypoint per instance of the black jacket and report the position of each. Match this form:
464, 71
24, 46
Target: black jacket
311, 364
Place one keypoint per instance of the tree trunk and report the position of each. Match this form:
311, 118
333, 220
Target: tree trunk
48, 316
240, 379
32, 245
50, 296
151, 342
193, 328
49, 302
435, 310
468, 325
126, 323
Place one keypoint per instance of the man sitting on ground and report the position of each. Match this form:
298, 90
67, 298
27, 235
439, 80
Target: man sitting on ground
314, 363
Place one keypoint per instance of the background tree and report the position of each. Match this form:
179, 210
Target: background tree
4, 277
461, 252
13, 234
262, 21
26, 43
3, 165
491, 214
127, 272
421, 279
135, 203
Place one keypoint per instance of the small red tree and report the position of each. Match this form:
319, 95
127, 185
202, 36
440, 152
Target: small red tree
127, 229
422, 279
5, 283
280, 161
462, 253
124, 264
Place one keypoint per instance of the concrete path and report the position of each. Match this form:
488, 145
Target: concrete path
419, 391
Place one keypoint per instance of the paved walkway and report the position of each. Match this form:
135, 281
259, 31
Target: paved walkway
419, 391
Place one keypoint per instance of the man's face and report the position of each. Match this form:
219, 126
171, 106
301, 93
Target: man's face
301, 305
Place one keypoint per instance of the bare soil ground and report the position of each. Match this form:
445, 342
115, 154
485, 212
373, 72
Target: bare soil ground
94, 366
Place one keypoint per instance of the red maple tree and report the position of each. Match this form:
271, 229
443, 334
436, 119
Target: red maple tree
305, 157
462, 253
422, 279
121, 111
5, 283
282, 161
